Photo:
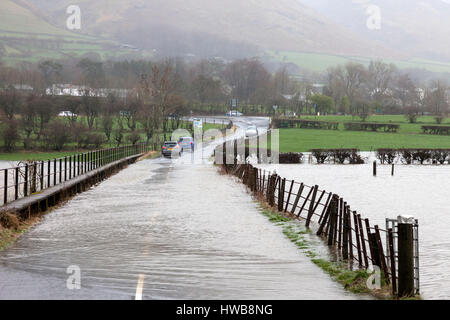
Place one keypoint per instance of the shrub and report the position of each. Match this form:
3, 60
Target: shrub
56, 135
9, 221
9, 134
288, 158
422, 155
320, 155
407, 156
133, 138
441, 156
92, 140
387, 155
355, 158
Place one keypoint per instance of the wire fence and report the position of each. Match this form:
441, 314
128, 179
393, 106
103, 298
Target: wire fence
36, 176
353, 237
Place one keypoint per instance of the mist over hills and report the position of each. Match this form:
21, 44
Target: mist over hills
209, 27
411, 30
417, 28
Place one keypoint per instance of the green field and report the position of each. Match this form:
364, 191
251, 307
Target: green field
39, 154
321, 62
36, 156
408, 136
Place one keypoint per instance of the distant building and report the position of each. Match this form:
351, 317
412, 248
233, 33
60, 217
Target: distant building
23, 87
79, 91
317, 88
289, 97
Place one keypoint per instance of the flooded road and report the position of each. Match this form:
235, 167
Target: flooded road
161, 229
419, 191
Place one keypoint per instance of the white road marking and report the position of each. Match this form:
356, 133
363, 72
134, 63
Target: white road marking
140, 287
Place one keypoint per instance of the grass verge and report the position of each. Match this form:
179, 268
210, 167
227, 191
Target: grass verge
352, 280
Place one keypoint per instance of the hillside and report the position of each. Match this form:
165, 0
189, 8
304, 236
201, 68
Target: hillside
419, 28
26, 35
314, 34
210, 27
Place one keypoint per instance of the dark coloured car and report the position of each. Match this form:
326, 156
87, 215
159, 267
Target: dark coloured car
171, 149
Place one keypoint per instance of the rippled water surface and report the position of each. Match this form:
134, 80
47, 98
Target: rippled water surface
420, 191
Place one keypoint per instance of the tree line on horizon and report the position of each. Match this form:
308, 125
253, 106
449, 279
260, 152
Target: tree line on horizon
173, 88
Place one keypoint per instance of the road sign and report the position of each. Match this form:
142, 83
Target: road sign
198, 123
234, 103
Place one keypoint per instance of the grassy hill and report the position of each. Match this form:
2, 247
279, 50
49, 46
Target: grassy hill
27, 36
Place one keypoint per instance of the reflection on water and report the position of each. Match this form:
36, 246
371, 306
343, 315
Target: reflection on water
193, 233
420, 191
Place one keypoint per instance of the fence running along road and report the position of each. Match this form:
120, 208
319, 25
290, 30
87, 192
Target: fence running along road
352, 237
31, 178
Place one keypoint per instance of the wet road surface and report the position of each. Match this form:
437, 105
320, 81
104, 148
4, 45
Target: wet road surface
161, 229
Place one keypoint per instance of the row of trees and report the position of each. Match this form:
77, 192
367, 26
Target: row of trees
172, 88
360, 90
32, 120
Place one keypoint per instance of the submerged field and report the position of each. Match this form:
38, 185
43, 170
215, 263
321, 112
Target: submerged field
408, 136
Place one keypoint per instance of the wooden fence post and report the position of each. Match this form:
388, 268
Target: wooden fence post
358, 239
306, 200
281, 188
289, 196
345, 235
311, 206
297, 198
363, 242
333, 219
330, 195
341, 211
405, 260
392, 258
381, 253
350, 235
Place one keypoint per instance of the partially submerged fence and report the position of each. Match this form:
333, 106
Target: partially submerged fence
305, 124
34, 177
371, 126
351, 236
438, 130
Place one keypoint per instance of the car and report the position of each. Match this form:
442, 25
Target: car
171, 149
234, 113
186, 143
67, 114
251, 131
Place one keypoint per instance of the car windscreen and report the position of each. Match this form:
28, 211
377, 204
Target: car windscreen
172, 144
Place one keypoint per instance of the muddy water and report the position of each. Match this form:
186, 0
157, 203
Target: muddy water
420, 191
185, 231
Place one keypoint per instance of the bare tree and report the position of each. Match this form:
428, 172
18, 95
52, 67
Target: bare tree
437, 100
91, 107
10, 102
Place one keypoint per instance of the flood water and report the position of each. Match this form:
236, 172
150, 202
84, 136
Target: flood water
176, 231
419, 191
